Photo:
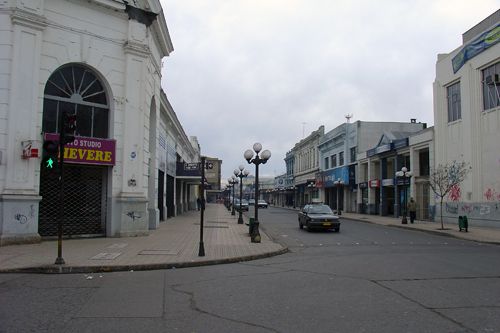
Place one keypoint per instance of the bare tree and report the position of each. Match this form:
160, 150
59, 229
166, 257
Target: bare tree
446, 177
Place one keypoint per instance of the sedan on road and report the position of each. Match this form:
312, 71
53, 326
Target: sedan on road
318, 216
262, 204
243, 206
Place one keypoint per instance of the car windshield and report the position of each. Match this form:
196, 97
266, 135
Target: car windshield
244, 202
319, 209
262, 201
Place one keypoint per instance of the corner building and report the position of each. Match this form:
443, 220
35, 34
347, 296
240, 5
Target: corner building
100, 60
467, 122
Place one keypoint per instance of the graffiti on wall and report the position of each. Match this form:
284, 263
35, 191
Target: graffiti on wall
491, 195
471, 209
455, 193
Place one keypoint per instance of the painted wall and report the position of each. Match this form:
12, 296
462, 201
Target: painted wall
474, 139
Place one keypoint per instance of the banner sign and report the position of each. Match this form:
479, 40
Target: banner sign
85, 150
330, 176
478, 45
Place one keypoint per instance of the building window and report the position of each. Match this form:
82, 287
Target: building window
334, 161
327, 166
341, 158
353, 154
454, 107
491, 87
76, 90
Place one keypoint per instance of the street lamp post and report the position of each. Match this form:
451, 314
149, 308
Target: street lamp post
311, 187
404, 174
241, 173
232, 181
338, 183
256, 159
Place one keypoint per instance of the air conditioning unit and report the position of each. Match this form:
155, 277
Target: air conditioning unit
492, 79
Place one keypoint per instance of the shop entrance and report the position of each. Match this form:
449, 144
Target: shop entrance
85, 193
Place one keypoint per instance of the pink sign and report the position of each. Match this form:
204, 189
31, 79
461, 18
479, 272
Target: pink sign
84, 150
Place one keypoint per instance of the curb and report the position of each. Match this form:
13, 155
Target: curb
59, 269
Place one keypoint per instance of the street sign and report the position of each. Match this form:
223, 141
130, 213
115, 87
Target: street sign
209, 165
191, 166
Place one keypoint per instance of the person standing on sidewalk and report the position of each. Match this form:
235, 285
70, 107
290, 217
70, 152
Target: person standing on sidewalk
412, 208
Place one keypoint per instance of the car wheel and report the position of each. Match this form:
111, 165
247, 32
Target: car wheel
308, 227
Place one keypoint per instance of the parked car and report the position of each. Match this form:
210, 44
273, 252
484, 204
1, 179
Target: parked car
251, 202
318, 216
262, 204
243, 205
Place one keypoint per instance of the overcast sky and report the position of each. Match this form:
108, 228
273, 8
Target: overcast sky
273, 71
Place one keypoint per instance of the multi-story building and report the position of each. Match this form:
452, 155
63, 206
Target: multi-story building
306, 177
344, 163
213, 176
467, 121
100, 61
380, 190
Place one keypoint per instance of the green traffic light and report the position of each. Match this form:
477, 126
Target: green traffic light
50, 163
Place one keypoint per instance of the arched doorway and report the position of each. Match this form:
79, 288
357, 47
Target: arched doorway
75, 89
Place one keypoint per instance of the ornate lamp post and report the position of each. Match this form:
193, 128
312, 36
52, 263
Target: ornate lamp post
232, 181
256, 159
338, 183
241, 173
404, 174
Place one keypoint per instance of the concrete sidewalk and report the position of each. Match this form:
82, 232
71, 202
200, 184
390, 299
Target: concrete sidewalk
174, 244
474, 233
478, 234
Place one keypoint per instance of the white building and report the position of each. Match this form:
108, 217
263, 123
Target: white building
100, 60
467, 121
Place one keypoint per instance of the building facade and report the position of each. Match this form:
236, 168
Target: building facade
344, 164
467, 122
306, 177
381, 192
100, 61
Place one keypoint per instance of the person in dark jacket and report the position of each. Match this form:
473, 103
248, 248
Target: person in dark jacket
412, 208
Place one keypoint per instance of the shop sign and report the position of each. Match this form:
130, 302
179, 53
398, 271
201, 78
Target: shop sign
388, 182
363, 185
85, 150
374, 183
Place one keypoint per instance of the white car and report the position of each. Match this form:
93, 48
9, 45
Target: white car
262, 204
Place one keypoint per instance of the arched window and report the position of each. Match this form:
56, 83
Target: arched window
75, 89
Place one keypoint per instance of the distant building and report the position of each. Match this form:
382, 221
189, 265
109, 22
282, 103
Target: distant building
467, 121
213, 176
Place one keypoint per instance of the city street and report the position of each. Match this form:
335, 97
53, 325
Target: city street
367, 278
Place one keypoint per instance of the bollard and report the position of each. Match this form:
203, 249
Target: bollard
250, 226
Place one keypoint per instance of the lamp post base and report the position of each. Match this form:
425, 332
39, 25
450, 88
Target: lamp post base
255, 235
240, 220
404, 220
59, 261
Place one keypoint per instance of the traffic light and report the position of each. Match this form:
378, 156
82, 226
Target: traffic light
69, 130
50, 152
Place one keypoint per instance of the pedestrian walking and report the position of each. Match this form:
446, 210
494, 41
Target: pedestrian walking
412, 208
198, 203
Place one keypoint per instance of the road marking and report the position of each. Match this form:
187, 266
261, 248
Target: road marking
106, 256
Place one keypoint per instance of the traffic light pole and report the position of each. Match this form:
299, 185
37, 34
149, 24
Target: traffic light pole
59, 259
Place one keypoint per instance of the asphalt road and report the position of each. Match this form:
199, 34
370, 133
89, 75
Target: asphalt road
367, 278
